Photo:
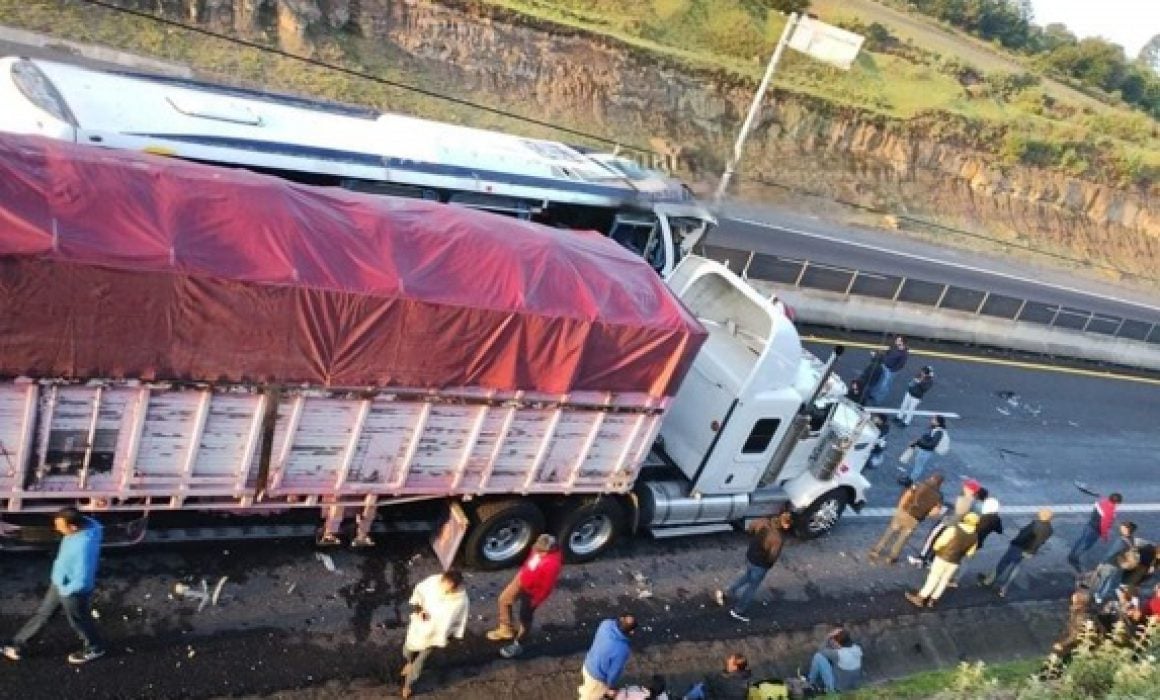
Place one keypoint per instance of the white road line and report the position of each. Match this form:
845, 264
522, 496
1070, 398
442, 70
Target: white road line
936, 261
1063, 509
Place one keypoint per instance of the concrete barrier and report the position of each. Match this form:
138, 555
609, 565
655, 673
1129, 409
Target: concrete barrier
881, 315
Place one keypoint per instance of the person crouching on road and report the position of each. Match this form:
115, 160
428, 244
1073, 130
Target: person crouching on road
438, 612
530, 587
766, 539
917, 503
837, 666
607, 657
954, 546
74, 576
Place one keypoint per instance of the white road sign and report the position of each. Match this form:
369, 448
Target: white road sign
826, 43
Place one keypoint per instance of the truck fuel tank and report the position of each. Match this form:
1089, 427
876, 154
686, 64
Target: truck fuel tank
667, 503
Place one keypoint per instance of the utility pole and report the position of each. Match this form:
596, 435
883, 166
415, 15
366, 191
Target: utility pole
754, 108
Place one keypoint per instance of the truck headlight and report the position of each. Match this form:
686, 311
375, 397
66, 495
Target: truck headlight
35, 85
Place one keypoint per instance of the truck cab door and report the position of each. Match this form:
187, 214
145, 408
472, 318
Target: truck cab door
644, 235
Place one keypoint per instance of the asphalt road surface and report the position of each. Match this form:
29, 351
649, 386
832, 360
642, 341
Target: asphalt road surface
761, 229
287, 622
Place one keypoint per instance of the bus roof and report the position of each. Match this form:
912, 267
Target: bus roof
219, 123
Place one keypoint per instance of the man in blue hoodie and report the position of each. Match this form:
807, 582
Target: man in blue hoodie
74, 574
606, 658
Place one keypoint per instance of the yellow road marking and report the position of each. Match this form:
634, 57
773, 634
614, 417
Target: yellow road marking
1099, 374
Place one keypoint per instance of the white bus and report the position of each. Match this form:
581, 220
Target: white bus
330, 144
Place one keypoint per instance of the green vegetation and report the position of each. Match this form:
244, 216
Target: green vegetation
929, 684
910, 68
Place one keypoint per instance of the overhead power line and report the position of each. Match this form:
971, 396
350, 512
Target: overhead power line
583, 134
364, 76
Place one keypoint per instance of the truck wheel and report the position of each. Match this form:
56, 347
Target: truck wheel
823, 514
502, 535
588, 529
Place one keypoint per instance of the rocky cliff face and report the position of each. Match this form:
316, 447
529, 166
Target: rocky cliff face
566, 76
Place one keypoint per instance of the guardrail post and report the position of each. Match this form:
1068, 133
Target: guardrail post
1119, 328
748, 262
1148, 335
1088, 322
1055, 316
943, 295
982, 303
805, 266
850, 287
898, 289
1019, 311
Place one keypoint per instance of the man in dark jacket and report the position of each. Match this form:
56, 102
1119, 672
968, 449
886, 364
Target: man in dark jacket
925, 448
915, 391
917, 503
1024, 546
732, 683
766, 538
893, 362
74, 575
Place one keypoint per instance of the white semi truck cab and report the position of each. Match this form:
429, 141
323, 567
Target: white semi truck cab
758, 424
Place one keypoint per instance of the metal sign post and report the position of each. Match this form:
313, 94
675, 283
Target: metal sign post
826, 43
754, 107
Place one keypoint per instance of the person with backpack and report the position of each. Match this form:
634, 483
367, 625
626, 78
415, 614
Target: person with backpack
917, 503
989, 523
934, 441
955, 545
1122, 554
916, 389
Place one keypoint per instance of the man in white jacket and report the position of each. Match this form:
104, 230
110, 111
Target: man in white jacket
438, 612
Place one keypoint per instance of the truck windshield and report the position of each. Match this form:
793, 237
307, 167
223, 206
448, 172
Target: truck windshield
642, 236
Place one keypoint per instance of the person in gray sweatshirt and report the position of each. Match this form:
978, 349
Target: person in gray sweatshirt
837, 666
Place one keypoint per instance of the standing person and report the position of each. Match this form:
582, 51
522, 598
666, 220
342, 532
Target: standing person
1098, 526
837, 666
607, 657
934, 441
1110, 571
766, 539
73, 578
916, 389
1024, 546
870, 378
989, 522
971, 493
438, 611
530, 587
893, 362
877, 452
917, 503
953, 546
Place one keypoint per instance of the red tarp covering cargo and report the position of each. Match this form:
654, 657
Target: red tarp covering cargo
120, 265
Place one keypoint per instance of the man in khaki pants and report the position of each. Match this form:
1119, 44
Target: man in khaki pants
918, 502
950, 549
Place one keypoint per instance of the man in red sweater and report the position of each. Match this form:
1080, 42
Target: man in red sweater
530, 587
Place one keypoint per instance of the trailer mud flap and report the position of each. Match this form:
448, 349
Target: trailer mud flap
449, 534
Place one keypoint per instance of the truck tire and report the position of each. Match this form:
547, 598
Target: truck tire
823, 514
502, 534
589, 528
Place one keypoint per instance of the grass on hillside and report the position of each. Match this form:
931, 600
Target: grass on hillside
1066, 128
929, 684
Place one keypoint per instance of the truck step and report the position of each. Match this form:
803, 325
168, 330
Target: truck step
682, 530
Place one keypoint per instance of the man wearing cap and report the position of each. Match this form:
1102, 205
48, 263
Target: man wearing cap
915, 390
952, 547
530, 587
